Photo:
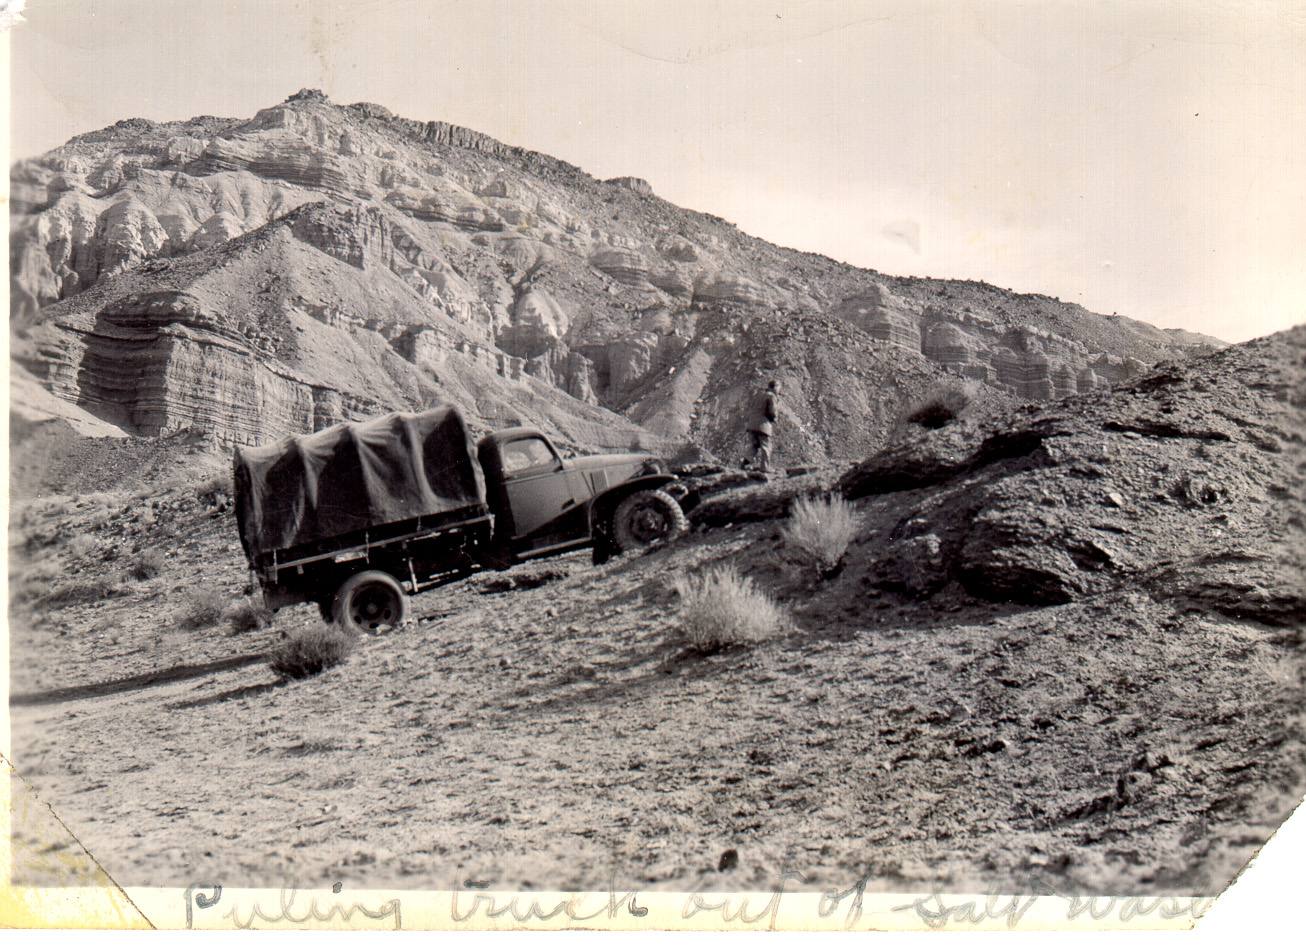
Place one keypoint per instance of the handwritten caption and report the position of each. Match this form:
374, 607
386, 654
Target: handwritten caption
472, 902
289, 909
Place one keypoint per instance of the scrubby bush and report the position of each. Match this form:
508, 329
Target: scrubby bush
146, 566
310, 652
820, 531
720, 609
940, 407
106, 499
80, 546
248, 614
78, 592
217, 483
215, 492
204, 610
32, 581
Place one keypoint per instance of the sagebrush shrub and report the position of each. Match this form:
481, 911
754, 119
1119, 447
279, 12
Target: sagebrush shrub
204, 610
820, 531
217, 483
145, 567
248, 614
940, 407
80, 546
310, 652
78, 592
720, 609
35, 582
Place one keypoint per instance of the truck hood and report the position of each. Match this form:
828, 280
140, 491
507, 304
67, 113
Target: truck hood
632, 462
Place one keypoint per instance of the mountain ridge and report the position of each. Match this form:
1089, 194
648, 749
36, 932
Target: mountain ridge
448, 247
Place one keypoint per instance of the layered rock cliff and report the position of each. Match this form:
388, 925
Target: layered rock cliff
319, 262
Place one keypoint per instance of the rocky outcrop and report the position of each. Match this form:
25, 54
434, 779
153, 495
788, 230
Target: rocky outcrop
1026, 373
883, 316
1028, 363
538, 308
431, 348
1042, 507
638, 185
1115, 369
448, 207
447, 135
289, 160
627, 266
620, 365
124, 234
945, 343
979, 524
286, 357
678, 248
170, 376
679, 287
568, 371
717, 290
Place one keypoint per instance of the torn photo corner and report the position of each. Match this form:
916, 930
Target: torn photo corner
394, 542
11, 14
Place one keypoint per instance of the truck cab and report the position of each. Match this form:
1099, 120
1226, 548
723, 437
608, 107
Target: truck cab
544, 503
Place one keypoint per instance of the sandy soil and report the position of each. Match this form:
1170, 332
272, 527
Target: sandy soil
550, 726
548, 736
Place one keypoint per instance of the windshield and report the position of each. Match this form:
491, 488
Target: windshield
526, 453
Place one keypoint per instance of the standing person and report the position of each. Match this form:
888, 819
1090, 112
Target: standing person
761, 422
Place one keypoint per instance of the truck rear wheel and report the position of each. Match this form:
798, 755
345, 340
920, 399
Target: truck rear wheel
370, 602
645, 518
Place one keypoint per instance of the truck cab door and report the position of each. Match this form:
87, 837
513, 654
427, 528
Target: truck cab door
539, 490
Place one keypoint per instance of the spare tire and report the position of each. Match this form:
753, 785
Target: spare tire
647, 518
370, 602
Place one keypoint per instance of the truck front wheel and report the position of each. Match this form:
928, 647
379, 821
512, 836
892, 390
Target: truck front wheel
370, 602
645, 518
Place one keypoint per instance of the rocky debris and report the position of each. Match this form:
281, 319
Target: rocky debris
738, 497
953, 452
526, 577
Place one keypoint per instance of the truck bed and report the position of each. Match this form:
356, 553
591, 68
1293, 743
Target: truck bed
408, 531
421, 552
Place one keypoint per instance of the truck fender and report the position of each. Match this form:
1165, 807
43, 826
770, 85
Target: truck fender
603, 505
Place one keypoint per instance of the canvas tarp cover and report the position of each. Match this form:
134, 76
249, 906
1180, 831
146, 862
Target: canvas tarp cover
312, 488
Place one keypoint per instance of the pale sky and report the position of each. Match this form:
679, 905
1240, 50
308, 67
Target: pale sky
1145, 157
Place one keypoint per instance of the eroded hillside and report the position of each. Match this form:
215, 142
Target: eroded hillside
320, 262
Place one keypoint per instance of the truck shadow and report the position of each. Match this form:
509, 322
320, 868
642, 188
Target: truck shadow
130, 683
240, 692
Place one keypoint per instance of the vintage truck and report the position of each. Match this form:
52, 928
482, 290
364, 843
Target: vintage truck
357, 516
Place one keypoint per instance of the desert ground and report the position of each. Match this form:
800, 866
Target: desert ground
1098, 681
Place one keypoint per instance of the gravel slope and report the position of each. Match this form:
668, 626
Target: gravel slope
547, 726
